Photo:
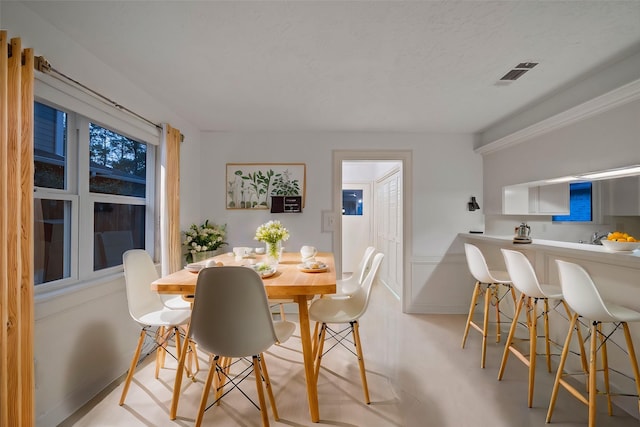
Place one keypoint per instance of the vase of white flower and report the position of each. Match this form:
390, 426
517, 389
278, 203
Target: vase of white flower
204, 241
272, 234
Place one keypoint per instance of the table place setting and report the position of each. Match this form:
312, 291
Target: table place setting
195, 267
255, 258
309, 263
264, 270
313, 267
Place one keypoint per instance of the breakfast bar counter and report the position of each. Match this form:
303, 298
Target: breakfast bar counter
617, 274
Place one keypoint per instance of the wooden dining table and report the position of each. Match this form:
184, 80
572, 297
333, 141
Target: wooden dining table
289, 282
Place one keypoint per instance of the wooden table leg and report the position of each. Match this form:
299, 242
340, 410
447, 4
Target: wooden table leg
305, 336
179, 373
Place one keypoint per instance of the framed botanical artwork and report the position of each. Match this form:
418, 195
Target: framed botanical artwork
253, 185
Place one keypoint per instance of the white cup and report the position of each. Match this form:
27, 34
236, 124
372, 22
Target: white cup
308, 252
260, 250
211, 263
240, 252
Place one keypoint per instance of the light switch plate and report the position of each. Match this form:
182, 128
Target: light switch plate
328, 221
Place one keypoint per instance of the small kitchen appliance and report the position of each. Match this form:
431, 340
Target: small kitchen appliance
523, 234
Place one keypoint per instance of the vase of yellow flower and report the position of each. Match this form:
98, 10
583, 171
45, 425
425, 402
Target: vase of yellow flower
272, 234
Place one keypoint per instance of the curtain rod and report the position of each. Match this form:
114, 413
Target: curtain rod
41, 64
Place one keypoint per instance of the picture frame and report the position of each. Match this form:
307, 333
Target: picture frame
252, 185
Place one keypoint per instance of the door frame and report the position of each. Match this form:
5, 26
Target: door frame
403, 156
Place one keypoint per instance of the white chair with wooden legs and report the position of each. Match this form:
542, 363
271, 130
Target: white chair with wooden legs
343, 309
583, 297
231, 320
524, 279
343, 286
353, 282
488, 282
146, 308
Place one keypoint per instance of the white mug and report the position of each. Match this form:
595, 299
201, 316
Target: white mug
308, 252
241, 252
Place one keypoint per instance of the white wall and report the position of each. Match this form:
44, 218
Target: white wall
366, 171
607, 140
446, 172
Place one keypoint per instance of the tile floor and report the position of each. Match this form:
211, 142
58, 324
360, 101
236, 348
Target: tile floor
418, 376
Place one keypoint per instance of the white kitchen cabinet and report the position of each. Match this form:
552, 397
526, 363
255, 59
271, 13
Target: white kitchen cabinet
551, 199
624, 196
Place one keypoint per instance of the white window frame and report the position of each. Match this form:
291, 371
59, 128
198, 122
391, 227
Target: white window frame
81, 110
71, 242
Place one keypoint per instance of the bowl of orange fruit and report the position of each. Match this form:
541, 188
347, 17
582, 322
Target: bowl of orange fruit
620, 242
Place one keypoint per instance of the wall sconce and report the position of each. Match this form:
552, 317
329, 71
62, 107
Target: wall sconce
473, 204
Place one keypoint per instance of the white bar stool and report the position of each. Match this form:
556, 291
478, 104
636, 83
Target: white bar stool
531, 290
583, 297
487, 282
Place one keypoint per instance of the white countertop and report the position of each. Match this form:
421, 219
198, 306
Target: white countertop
585, 248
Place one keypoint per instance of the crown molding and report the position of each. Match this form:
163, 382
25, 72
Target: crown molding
610, 100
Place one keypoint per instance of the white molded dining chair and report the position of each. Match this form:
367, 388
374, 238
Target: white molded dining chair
583, 297
487, 283
146, 308
341, 309
231, 319
353, 282
149, 273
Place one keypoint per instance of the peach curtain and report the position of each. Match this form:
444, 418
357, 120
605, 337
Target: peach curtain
170, 201
16, 234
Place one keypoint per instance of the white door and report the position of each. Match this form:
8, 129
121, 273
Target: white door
357, 223
388, 229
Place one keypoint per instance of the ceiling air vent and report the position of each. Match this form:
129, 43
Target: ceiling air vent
518, 71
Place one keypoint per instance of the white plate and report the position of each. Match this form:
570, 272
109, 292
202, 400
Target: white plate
312, 268
194, 267
265, 272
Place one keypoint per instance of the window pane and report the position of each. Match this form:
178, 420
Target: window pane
52, 228
117, 228
50, 146
118, 165
351, 202
580, 203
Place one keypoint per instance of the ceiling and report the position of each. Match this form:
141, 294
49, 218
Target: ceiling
400, 66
